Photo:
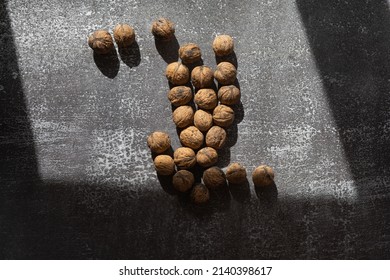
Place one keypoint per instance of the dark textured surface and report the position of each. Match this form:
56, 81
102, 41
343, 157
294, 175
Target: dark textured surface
76, 177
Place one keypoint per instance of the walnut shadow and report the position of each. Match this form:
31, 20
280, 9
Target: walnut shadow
268, 195
131, 56
240, 192
232, 58
166, 184
168, 50
108, 64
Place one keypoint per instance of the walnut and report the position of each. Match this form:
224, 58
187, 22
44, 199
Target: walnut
236, 173
223, 115
183, 180
226, 73
229, 95
124, 35
184, 158
183, 116
180, 95
216, 137
263, 176
223, 45
177, 73
202, 77
207, 157
159, 142
214, 178
190, 53
206, 99
101, 42
191, 137
200, 194
163, 29
164, 165
203, 120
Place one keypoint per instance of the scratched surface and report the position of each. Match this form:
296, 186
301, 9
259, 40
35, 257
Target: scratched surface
77, 179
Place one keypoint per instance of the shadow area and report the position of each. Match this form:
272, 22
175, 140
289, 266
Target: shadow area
131, 56
168, 50
108, 64
350, 41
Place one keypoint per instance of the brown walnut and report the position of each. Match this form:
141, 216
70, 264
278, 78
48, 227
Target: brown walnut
163, 29
183, 180
164, 165
159, 142
223, 45
214, 178
124, 35
203, 120
183, 116
101, 42
223, 115
180, 95
206, 99
191, 137
207, 157
263, 176
236, 173
177, 73
229, 95
202, 77
216, 137
190, 53
200, 194
184, 158
226, 73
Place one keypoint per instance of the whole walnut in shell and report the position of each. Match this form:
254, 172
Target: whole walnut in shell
101, 42
191, 137
159, 142
203, 120
184, 158
207, 157
223, 45
223, 115
163, 29
214, 178
177, 73
206, 99
202, 77
124, 35
183, 180
229, 95
190, 53
226, 73
216, 137
236, 173
180, 95
183, 116
263, 176
164, 165
200, 194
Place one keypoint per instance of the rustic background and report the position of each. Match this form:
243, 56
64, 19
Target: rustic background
76, 177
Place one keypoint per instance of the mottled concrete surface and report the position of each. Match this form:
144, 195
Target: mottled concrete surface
76, 177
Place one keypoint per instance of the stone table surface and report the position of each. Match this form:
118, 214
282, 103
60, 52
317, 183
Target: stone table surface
77, 179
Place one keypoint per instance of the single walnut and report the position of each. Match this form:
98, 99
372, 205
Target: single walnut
101, 42
223, 45
177, 73
190, 53
180, 95
124, 35
202, 77
214, 178
207, 157
206, 99
163, 29
183, 180
184, 158
203, 120
216, 137
183, 116
191, 137
223, 115
229, 95
226, 73
164, 165
200, 194
159, 142
263, 176
236, 173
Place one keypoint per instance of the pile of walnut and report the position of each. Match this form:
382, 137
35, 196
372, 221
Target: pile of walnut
202, 131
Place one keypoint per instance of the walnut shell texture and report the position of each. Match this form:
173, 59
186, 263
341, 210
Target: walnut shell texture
263, 176
163, 29
159, 142
207, 157
214, 178
124, 35
229, 95
223, 116
216, 137
225, 73
184, 158
190, 53
200, 194
223, 45
202, 77
203, 120
183, 180
180, 95
101, 42
206, 99
177, 73
183, 116
191, 137
164, 165
236, 173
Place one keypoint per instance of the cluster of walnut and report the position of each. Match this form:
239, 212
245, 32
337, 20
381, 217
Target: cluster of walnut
203, 129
